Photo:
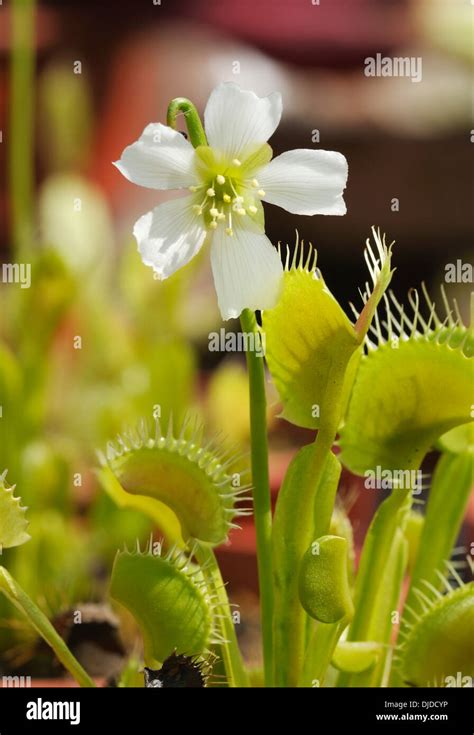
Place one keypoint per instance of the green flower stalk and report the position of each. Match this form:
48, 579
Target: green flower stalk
21, 124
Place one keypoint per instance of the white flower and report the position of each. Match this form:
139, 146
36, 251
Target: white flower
227, 181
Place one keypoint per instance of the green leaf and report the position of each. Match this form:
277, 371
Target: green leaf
356, 656
13, 523
323, 583
459, 440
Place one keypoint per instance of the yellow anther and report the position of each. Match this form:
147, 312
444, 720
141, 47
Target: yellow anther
241, 211
197, 208
213, 225
255, 183
214, 212
210, 192
261, 193
226, 198
252, 209
193, 188
221, 216
236, 162
229, 231
220, 179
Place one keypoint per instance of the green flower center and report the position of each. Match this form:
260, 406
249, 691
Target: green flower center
229, 189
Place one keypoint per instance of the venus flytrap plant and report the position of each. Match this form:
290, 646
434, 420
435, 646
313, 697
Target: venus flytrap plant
375, 382
228, 170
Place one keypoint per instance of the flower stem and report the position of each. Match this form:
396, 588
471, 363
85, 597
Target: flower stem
235, 670
40, 622
261, 492
196, 133
21, 125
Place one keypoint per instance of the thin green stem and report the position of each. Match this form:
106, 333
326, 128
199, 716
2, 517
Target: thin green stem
261, 491
40, 622
183, 106
234, 666
21, 125
319, 653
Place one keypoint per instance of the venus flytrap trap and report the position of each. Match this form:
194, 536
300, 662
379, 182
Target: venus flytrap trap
168, 597
435, 641
191, 479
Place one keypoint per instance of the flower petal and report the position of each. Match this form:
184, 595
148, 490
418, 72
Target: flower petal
237, 121
247, 271
169, 236
305, 181
162, 158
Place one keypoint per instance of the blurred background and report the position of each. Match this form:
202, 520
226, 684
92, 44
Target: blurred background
96, 343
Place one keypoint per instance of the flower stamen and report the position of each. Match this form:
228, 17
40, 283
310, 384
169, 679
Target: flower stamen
229, 231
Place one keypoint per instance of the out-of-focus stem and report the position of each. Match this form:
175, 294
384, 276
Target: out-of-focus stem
40, 622
20, 133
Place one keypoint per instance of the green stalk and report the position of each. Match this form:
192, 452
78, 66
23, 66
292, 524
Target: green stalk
21, 125
261, 491
447, 500
183, 106
319, 652
40, 622
380, 575
234, 667
232, 656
